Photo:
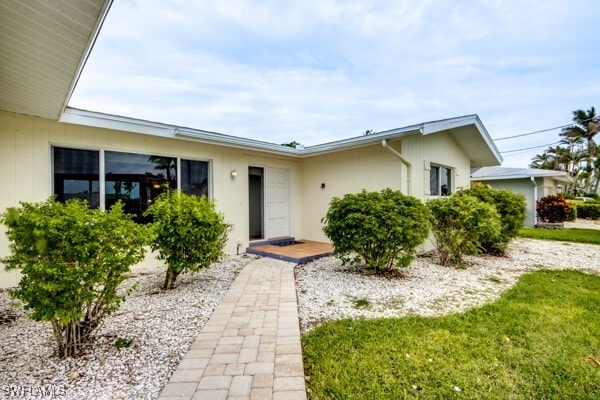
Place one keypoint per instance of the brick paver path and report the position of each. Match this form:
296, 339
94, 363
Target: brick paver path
250, 346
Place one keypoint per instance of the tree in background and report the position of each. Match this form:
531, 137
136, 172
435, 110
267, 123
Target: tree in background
577, 154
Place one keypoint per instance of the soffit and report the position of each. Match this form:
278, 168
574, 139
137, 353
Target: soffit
477, 145
43, 46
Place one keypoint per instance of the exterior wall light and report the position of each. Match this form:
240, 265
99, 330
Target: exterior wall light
233, 174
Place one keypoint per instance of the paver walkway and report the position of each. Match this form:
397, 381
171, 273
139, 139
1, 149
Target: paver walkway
250, 347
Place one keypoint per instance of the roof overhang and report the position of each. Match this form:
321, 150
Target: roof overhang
468, 132
43, 48
497, 174
559, 178
472, 136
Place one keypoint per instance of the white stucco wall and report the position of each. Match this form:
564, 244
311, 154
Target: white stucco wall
26, 173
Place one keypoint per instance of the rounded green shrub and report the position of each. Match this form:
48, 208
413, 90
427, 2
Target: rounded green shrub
461, 224
72, 260
510, 206
552, 209
379, 229
187, 231
588, 210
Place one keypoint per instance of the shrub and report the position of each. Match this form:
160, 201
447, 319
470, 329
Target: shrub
381, 229
510, 206
72, 259
461, 224
588, 210
572, 215
188, 233
552, 209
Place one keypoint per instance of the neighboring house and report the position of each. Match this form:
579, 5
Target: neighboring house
531, 183
265, 190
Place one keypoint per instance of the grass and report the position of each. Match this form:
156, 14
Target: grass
540, 340
567, 235
361, 303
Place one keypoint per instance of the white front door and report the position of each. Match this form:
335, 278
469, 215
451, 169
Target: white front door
278, 202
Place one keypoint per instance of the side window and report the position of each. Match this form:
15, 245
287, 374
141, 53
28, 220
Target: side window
76, 175
194, 177
440, 181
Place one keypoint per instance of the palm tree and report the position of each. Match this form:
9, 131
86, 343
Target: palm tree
585, 128
542, 161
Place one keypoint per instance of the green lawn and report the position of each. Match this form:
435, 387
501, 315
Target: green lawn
540, 340
566, 235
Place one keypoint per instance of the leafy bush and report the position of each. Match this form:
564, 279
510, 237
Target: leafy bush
188, 233
588, 210
72, 259
512, 209
461, 224
381, 229
552, 209
572, 215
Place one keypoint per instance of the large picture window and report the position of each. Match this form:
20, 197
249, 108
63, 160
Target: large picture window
134, 179
440, 181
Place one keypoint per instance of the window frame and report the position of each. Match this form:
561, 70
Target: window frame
102, 167
450, 177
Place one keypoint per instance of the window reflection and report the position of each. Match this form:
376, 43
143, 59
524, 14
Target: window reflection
194, 177
76, 175
136, 180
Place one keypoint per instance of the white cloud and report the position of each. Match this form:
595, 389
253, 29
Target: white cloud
319, 71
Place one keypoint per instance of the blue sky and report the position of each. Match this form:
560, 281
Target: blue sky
317, 71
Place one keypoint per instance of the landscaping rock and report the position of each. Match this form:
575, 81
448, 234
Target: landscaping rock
159, 327
328, 291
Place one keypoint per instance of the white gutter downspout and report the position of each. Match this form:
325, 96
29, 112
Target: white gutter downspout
535, 195
385, 145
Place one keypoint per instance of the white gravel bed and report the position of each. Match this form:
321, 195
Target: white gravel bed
328, 291
162, 325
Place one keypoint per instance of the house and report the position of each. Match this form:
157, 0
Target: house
265, 190
531, 183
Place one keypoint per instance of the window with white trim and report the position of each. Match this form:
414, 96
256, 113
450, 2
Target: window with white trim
132, 178
440, 181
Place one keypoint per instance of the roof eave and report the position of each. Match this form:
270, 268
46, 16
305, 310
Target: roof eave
86, 54
561, 178
115, 122
362, 141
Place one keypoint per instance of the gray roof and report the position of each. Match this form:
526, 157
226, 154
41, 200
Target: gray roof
497, 173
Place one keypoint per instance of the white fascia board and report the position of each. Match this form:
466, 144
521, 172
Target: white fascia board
449, 123
362, 141
86, 53
234, 141
499, 177
488, 139
452, 123
115, 122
